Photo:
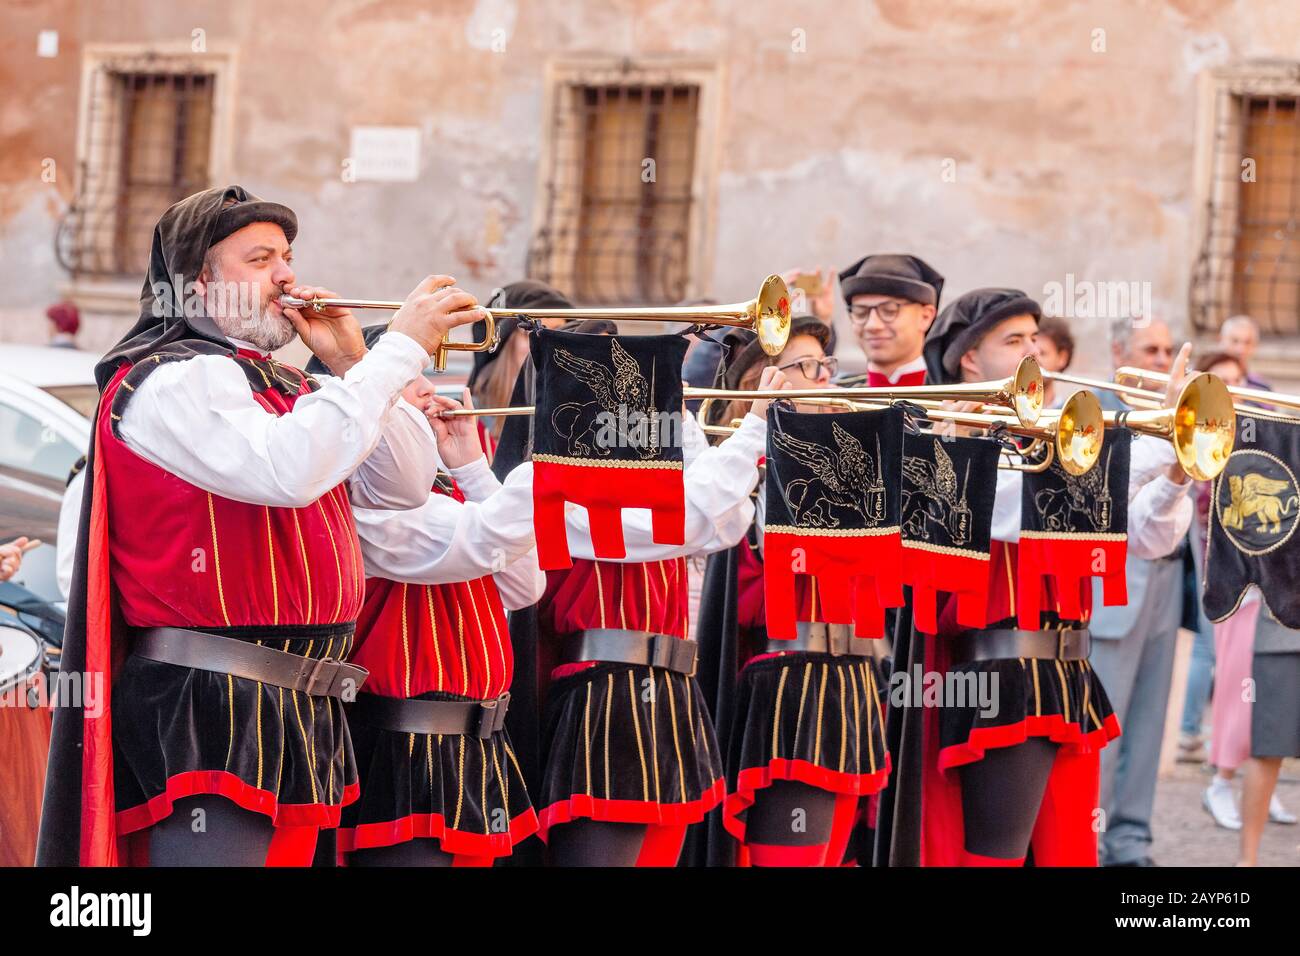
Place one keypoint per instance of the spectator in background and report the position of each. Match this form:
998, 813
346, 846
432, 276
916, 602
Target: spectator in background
1133, 644
892, 301
1200, 669
1239, 338
65, 320
1274, 729
1055, 350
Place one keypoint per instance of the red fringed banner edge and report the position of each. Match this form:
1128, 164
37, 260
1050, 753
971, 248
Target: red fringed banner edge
1072, 562
858, 576
604, 489
928, 571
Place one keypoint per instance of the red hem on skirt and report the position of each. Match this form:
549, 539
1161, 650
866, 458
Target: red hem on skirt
579, 805
753, 779
415, 826
222, 783
1053, 726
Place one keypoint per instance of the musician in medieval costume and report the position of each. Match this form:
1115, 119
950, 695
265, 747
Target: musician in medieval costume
630, 753
218, 573
440, 783
771, 775
1025, 773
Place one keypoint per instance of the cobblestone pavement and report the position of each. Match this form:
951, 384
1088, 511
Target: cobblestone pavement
1185, 834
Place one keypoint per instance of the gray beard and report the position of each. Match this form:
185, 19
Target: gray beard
250, 323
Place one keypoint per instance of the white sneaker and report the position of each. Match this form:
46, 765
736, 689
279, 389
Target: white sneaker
1219, 800
1278, 813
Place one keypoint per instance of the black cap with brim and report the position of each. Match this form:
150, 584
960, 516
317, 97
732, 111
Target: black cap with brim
241, 214
960, 327
902, 276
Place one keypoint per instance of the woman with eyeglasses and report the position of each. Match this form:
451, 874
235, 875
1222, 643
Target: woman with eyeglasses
791, 801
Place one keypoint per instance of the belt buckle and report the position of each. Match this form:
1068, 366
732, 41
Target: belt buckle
487, 718
492, 715
315, 674
661, 651
837, 639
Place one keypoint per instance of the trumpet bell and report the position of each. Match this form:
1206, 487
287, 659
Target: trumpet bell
770, 314
1204, 427
1080, 433
1027, 390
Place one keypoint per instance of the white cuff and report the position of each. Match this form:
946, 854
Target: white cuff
476, 479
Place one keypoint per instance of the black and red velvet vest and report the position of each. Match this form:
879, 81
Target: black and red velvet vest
185, 557
607, 436
832, 512
948, 491
417, 638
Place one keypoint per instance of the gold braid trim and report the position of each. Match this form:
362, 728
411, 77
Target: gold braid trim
832, 532
608, 463
945, 549
1077, 535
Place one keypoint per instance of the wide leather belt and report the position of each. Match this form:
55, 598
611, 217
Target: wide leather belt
816, 638
319, 677
614, 645
994, 644
477, 718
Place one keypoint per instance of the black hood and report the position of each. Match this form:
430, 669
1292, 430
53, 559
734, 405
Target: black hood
181, 239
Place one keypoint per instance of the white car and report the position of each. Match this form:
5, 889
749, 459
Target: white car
47, 396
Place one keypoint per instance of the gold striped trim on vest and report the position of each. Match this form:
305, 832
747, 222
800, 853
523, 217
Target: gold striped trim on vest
216, 558
1077, 535
636, 726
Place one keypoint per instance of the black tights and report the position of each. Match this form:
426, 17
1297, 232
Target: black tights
418, 852
584, 842
224, 834
788, 814
1000, 797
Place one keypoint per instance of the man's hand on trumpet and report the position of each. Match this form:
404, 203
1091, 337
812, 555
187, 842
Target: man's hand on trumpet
433, 309
333, 334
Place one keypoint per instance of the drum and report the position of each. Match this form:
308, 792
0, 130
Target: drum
24, 746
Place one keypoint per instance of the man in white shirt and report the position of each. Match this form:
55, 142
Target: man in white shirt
218, 576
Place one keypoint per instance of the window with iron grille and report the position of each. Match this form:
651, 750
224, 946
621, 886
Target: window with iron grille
619, 197
1249, 260
147, 143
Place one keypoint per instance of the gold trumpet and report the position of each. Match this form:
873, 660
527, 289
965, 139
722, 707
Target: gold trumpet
1074, 435
1201, 425
1136, 378
1022, 392
767, 315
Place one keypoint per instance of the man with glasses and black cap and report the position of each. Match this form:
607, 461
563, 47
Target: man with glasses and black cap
892, 299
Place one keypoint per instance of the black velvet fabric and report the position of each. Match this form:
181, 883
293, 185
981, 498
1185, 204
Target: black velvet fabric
1095, 502
621, 732
1028, 689
587, 380
170, 720
839, 471
827, 714
1253, 517
471, 786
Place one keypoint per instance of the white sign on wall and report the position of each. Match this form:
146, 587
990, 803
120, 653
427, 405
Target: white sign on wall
47, 43
386, 154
